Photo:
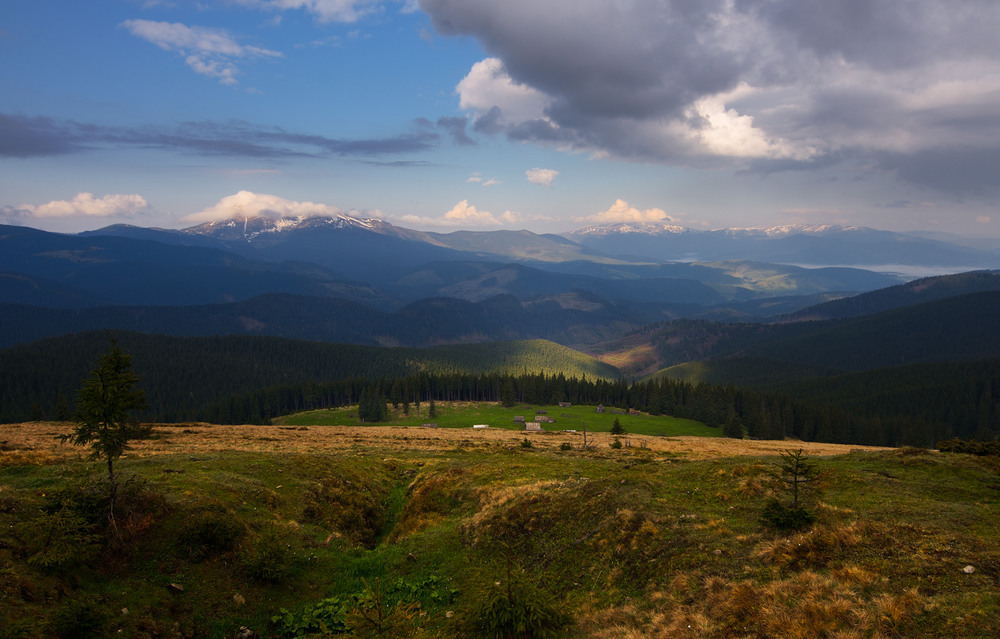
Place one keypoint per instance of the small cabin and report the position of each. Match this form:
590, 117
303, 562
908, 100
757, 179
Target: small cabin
532, 426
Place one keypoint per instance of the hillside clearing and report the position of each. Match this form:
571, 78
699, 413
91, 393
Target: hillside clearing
39, 439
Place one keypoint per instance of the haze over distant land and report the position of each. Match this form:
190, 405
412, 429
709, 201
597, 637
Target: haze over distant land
549, 115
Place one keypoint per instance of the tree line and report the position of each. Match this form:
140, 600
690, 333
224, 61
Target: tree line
252, 380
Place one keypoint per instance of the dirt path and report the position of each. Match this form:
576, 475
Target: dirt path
37, 441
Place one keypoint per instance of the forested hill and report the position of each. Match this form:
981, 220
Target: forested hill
184, 375
958, 328
571, 318
920, 291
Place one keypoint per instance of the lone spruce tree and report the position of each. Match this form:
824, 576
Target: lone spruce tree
104, 412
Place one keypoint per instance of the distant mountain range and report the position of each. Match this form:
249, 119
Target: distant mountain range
790, 244
366, 281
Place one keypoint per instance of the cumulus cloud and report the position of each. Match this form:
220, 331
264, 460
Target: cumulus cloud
543, 177
465, 214
622, 211
250, 204
490, 91
905, 87
82, 205
210, 52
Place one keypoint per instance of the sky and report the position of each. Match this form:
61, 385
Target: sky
546, 115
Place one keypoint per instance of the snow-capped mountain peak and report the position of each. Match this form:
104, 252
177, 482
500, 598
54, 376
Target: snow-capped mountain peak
259, 227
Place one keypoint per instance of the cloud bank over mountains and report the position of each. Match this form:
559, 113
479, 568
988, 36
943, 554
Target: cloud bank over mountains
911, 87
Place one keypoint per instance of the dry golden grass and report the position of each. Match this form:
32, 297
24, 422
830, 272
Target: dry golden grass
40, 439
804, 605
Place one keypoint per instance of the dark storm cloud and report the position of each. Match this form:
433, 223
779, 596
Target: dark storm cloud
959, 171
781, 83
26, 137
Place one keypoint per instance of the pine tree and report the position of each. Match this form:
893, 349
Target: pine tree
617, 428
104, 412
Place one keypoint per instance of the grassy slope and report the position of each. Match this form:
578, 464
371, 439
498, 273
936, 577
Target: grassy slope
629, 542
456, 415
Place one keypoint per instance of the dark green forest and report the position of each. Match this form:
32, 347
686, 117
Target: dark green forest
239, 379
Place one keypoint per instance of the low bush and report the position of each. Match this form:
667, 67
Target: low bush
209, 532
79, 620
970, 447
514, 608
778, 515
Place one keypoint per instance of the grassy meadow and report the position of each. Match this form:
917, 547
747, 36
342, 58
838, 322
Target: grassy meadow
343, 531
465, 415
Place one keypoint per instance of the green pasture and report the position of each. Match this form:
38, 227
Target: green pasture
465, 415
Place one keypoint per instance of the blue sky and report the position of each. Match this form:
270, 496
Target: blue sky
476, 114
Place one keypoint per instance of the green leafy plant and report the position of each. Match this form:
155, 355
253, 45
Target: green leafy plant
526, 443
616, 444
325, 617
565, 446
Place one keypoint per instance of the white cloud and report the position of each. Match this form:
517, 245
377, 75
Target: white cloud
477, 178
622, 211
466, 215
209, 52
249, 204
488, 86
84, 204
543, 177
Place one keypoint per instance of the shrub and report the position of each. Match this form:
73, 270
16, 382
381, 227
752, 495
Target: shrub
971, 447
778, 515
373, 615
516, 608
79, 620
526, 443
210, 531
268, 559
616, 444
57, 540
565, 446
